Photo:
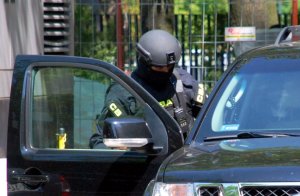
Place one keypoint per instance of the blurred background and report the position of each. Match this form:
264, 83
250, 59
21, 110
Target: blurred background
109, 29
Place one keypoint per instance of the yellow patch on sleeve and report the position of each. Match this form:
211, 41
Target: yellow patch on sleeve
115, 110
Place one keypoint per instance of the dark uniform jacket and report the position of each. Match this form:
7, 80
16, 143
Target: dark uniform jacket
182, 97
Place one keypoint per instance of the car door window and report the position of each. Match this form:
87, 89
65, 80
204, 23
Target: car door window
66, 104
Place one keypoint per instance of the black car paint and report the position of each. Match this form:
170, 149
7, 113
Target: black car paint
229, 161
86, 172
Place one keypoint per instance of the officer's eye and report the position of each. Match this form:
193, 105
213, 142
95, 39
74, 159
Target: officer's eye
165, 68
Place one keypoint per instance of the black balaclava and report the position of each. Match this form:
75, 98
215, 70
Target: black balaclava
155, 79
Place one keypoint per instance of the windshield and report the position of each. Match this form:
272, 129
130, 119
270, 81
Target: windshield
259, 96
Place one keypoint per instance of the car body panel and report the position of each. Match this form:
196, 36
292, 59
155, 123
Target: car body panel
266, 159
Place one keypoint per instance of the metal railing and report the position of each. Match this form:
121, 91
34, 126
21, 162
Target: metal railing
205, 54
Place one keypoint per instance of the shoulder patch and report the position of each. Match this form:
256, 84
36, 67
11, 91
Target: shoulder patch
200, 97
115, 109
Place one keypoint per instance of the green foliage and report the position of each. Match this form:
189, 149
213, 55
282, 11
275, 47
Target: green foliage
131, 6
89, 40
91, 75
197, 6
285, 6
212, 76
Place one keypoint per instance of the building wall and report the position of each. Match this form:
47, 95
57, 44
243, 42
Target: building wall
21, 33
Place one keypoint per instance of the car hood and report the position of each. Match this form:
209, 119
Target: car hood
240, 160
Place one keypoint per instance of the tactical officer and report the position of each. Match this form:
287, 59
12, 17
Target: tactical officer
175, 89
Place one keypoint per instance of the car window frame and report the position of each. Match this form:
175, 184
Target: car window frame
72, 154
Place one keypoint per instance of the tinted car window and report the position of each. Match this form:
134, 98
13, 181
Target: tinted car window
261, 94
65, 105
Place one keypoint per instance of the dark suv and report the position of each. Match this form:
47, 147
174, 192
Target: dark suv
246, 141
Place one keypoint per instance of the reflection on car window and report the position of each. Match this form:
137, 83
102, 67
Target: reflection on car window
226, 116
65, 104
258, 98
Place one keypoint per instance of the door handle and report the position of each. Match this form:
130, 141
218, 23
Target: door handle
29, 179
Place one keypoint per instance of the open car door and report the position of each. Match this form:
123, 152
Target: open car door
54, 103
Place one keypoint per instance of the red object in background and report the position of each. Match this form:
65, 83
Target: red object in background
120, 50
295, 12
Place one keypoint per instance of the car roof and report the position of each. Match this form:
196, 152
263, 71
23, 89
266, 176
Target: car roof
286, 43
275, 50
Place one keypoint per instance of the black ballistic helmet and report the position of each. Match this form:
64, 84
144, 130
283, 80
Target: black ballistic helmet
156, 48
159, 48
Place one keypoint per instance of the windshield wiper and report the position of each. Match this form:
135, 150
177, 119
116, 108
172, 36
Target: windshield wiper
246, 135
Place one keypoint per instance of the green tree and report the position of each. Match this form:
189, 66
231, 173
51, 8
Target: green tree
90, 41
157, 14
261, 14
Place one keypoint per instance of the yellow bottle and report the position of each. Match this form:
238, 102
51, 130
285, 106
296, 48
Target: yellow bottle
61, 137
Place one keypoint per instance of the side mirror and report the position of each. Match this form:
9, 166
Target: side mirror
126, 132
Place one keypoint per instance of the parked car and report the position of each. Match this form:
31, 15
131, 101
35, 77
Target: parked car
246, 140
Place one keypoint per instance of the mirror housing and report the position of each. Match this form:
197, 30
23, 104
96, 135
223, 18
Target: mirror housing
126, 133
